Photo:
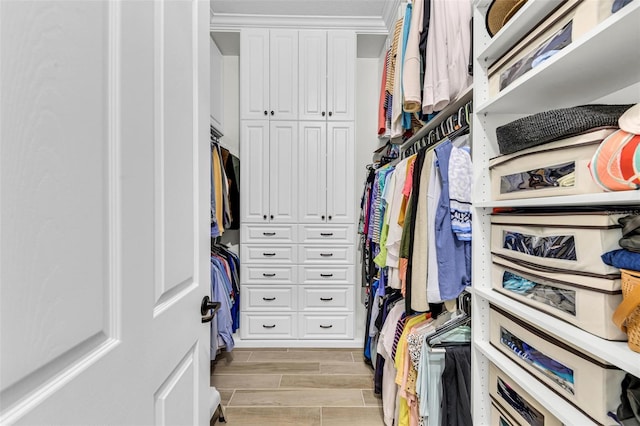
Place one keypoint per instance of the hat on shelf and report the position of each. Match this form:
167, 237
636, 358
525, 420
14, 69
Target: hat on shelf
499, 13
615, 166
549, 126
630, 120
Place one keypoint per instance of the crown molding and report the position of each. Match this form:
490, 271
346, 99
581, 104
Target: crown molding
390, 14
232, 22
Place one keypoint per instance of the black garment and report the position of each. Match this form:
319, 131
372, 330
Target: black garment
456, 387
417, 171
228, 161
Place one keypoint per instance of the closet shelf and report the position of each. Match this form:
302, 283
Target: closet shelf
559, 407
527, 18
453, 107
616, 353
561, 80
602, 199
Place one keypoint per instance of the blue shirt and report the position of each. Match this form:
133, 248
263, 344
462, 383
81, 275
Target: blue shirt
223, 318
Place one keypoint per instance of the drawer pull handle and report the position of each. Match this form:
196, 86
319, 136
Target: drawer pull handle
268, 275
268, 326
326, 275
326, 299
326, 254
326, 326
327, 234
268, 299
268, 254
268, 234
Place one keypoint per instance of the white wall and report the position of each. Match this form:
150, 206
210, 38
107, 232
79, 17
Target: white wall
231, 84
368, 74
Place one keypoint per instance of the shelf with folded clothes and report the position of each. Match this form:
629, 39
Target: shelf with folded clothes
562, 78
530, 15
616, 353
559, 407
619, 198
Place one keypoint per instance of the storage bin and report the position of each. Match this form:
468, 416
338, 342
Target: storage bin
569, 242
500, 418
515, 405
589, 383
586, 302
552, 169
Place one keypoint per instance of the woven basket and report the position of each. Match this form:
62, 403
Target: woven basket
627, 315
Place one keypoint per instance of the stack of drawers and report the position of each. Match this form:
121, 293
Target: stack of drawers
297, 282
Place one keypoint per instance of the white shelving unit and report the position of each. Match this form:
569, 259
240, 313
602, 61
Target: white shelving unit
591, 68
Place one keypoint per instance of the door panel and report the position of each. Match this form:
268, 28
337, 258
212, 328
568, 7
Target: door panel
254, 74
283, 74
283, 185
88, 173
313, 75
340, 172
341, 72
254, 185
312, 194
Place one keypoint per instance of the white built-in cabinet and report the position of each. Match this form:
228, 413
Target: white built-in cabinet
217, 82
268, 157
326, 166
327, 75
268, 74
297, 236
579, 74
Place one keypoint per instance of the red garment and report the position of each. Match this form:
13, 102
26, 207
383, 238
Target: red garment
382, 111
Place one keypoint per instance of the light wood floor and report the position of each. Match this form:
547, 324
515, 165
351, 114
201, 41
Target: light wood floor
301, 387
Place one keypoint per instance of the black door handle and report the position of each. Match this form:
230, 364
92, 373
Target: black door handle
322, 217
268, 234
323, 113
268, 254
272, 217
330, 113
268, 275
268, 299
329, 217
272, 113
326, 254
265, 113
326, 326
206, 306
326, 234
265, 217
326, 299
269, 326
326, 275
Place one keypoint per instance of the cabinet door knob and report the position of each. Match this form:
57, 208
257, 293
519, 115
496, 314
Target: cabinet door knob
330, 113
329, 217
265, 113
271, 216
323, 113
265, 217
272, 113
322, 217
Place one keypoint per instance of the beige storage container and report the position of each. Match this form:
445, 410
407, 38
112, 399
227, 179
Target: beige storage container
589, 383
586, 302
500, 418
558, 242
552, 169
515, 405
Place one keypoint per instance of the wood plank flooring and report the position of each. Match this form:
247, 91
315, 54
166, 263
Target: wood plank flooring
302, 387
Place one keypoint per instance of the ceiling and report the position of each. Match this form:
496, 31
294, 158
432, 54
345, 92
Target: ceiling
369, 18
301, 7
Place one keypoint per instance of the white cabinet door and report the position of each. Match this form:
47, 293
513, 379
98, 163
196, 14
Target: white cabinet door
217, 86
254, 74
340, 172
283, 74
282, 183
312, 194
313, 75
104, 187
341, 71
254, 160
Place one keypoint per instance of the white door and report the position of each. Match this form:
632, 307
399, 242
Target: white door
254, 74
283, 74
340, 173
104, 193
254, 181
313, 75
283, 173
341, 75
312, 172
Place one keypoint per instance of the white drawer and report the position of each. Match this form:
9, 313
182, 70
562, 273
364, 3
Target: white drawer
325, 254
314, 234
268, 233
261, 274
326, 274
266, 326
319, 326
253, 253
268, 298
319, 298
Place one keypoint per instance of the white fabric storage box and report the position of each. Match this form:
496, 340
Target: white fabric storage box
500, 418
514, 404
586, 302
589, 383
558, 242
552, 169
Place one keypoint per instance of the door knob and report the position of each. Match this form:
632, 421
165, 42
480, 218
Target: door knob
329, 217
323, 113
265, 113
265, 217
323, 217
272, 113
271, 216
330, 113
206, 306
